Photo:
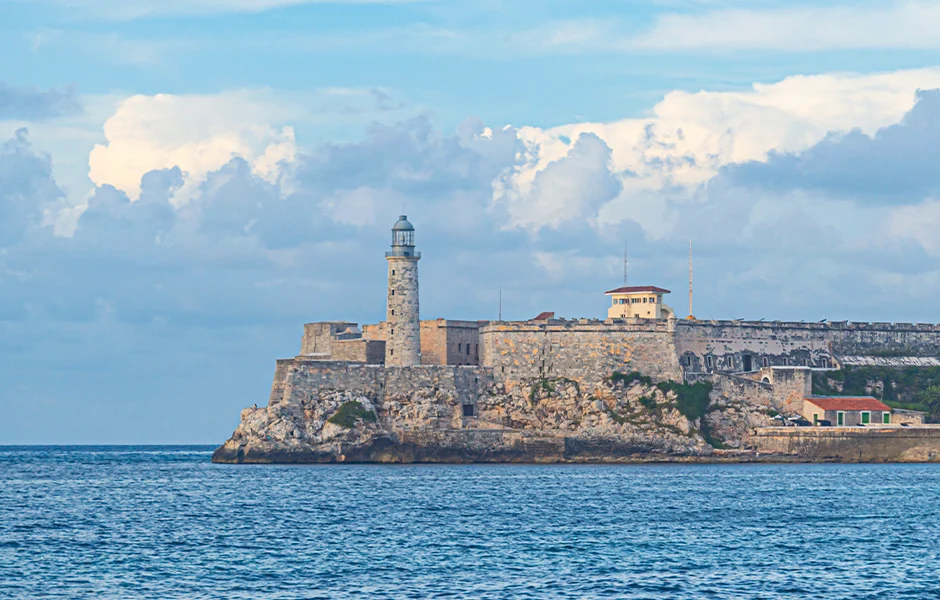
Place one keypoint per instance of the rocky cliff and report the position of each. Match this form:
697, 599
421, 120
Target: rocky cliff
330, 413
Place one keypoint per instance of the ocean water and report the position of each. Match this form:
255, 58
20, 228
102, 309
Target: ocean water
163, 522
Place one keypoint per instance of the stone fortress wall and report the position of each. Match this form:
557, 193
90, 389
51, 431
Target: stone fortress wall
586, 351
297, 378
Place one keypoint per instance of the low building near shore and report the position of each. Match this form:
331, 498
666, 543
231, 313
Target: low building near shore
846, 411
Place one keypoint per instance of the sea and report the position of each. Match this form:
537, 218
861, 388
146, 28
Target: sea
164, 522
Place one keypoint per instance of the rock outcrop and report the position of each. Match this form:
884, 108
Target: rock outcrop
421, 415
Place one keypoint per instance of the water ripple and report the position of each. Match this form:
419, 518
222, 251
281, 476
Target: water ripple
133, 522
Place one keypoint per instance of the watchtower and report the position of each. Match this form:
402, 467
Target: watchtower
403, 326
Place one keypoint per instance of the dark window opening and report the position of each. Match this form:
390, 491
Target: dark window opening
393, 271
468, 410
393, 312
393, 292
747, 363
765, 362
709, 362
468, 349
476, 349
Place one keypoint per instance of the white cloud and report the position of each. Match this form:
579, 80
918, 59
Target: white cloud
688, 137
198, 134
883, 25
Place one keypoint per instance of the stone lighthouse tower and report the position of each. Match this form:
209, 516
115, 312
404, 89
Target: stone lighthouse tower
403, 326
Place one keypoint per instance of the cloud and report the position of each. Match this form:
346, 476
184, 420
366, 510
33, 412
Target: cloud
27, 189
688, 137
573, 187
33, 105
197, 134
903, 25
896, 164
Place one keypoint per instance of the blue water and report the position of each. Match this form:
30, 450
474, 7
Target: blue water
149, 522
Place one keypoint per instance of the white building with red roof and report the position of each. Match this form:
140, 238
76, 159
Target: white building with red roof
848, 411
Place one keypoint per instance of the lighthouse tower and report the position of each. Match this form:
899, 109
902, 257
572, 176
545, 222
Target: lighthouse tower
403, 327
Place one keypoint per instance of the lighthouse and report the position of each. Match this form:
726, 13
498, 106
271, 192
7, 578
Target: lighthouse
403, 326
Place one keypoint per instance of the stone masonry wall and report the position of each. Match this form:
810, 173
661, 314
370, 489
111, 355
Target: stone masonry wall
445, 342
584, 351
359, 350
728, 346
403, 331
848, 444
298, 379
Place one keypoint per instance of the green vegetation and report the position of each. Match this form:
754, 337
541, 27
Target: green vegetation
628, 378
648, 402
548, 385
541, 384
691, 400
912, 388
351, 413
617, 417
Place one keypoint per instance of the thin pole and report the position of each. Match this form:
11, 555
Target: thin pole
500, 304
626, 262
690, 279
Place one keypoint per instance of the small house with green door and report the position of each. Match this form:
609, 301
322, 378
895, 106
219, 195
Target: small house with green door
846, 411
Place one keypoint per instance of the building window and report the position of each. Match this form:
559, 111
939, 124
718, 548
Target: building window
765, 361
885, 418
709, 362
393, 312
393, 271
866, 417
391, 352
644, 300
840, 418
468, 349
393, 292
459, 347
476, 349
815, 419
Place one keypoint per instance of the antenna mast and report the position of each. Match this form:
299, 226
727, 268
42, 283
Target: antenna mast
500, 304
626, 263
690, 280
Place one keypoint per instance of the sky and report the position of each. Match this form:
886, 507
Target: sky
184, 183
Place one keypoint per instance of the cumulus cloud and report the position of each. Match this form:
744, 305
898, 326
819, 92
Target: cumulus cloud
688, 137
897, 164
34, 105
572, 187
28, 191
197, 134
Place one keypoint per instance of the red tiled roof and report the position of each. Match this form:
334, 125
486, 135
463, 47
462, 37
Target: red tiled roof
544, 316
847, 403
639, 289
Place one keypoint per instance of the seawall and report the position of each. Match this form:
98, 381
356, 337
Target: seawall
844, 444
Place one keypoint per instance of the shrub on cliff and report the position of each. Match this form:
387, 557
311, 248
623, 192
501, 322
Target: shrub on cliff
628, 378
351, 413
691, 400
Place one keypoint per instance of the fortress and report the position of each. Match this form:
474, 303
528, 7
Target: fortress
460, 378
644, 336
